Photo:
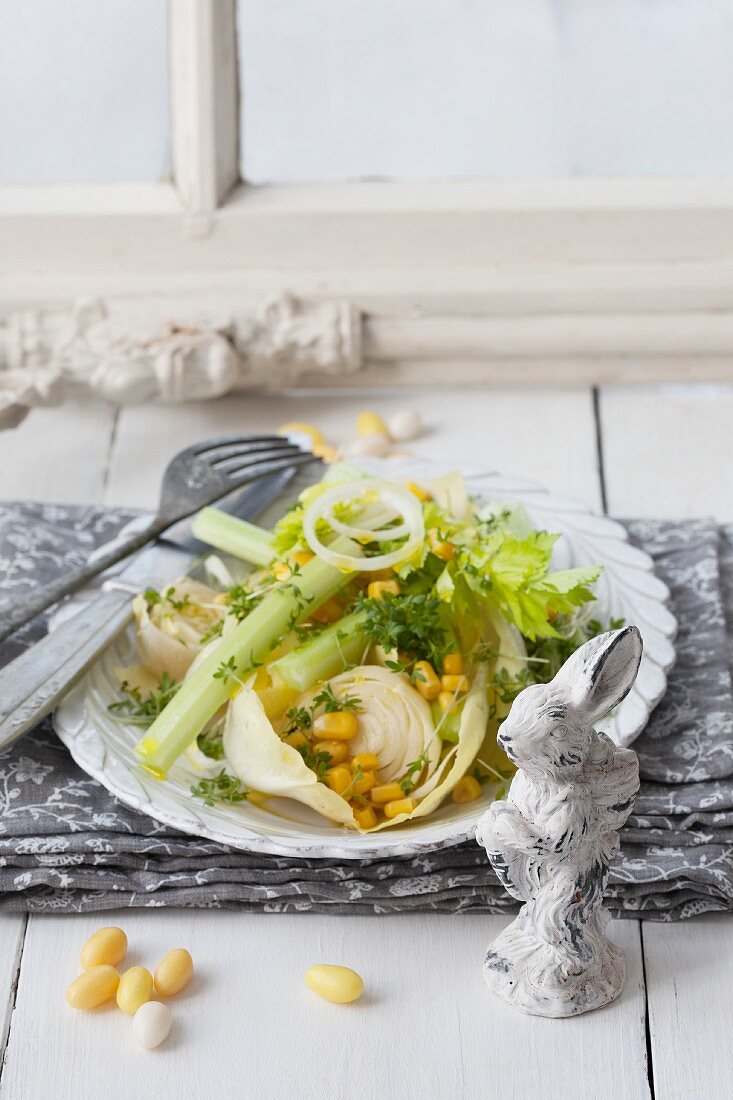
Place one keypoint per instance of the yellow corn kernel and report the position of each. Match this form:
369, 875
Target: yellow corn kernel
421, 494
399, 806
446, 551
329, 612
314, 434
364, 783
337, 750
426, 681
296, 739
453, 664
378, 589
301, 557
135, 988
446, 699
257, 798
454, 683
339, 725
281, 571
107, 947
338, 779
466, 790
276, 700
370, 423
339, 984
365, 817
221, 598
262, 679
174, 972
95, 986
369, 761
388, 792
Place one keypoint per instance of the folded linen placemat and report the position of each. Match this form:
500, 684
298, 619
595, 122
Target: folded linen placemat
67, 845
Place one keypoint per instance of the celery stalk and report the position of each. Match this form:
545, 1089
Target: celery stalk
249, 644
323, 656
233, 536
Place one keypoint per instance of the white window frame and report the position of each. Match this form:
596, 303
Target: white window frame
569, 280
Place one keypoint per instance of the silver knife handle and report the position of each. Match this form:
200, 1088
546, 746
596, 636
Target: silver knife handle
132, 539
32, 684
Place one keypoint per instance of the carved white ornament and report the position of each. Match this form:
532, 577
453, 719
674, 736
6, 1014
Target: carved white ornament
552, 839
47, 355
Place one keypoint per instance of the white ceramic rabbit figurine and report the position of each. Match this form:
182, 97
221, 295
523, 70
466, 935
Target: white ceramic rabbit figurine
552, 839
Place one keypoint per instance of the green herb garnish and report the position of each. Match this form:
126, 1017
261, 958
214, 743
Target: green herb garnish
222, 788
141, 709
327, 699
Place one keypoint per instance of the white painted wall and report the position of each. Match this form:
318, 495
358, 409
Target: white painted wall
83, 90
397, 89
415, 89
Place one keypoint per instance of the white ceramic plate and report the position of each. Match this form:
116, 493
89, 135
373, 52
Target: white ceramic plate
103, 746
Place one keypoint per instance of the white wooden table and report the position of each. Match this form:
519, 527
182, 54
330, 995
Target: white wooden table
427, 1029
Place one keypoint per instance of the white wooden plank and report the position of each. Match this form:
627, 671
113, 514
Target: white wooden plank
57, 455
689, 975
426, 1027
545, 435
668, 451
12, 935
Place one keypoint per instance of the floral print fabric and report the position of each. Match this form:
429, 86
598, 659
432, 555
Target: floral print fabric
67, 845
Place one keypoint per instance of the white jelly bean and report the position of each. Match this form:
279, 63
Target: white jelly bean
374, 444
151, 1024
404, 425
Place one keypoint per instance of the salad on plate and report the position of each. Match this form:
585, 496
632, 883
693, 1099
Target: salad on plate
364, 659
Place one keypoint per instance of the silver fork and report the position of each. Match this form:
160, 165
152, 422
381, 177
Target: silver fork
193, 479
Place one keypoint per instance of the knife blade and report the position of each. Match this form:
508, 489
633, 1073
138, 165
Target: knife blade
32, 684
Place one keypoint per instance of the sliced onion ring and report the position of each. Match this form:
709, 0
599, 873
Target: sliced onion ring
402, 502
384, 534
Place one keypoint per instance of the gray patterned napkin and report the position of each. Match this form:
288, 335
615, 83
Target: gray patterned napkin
68, 845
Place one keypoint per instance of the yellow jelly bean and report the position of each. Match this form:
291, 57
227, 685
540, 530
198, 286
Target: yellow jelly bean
135, 988
339, 984
174, 972
107, 947
95, 986
299, 427
370, 423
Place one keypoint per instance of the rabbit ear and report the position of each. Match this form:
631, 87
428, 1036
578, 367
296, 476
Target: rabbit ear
600, 674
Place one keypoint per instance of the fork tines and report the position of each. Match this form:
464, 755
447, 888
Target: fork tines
245, 442
224, 456
251, 470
